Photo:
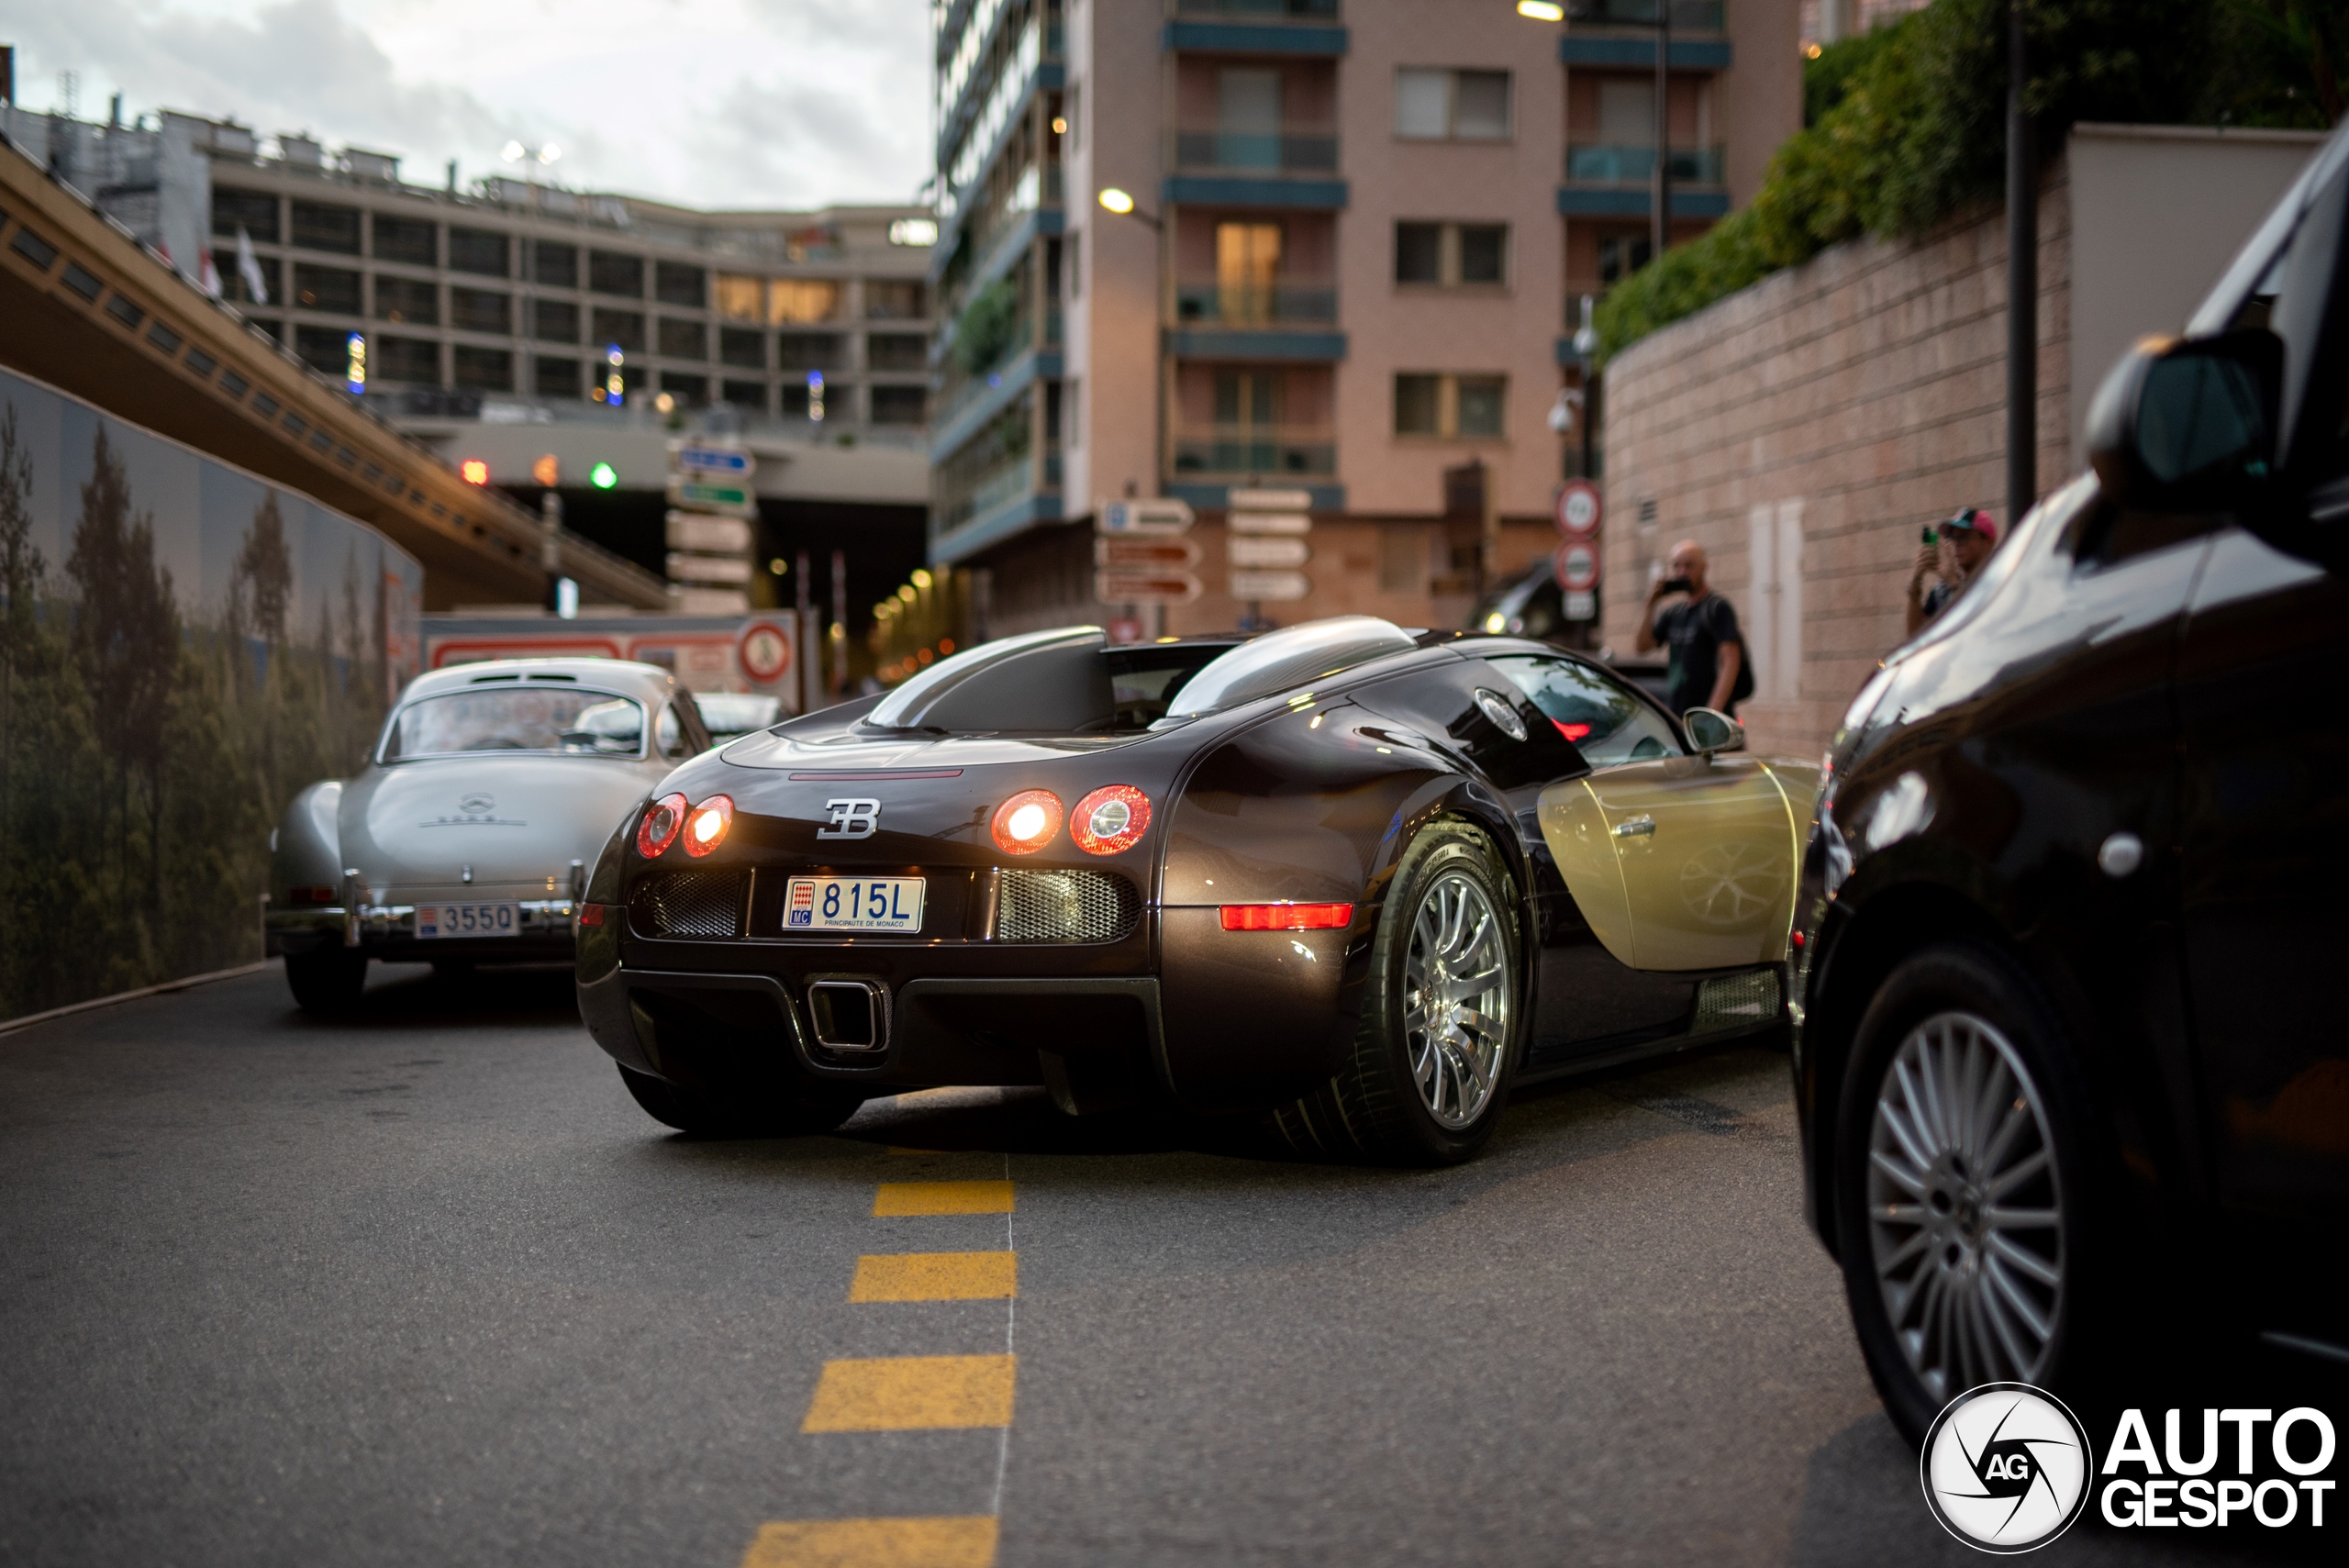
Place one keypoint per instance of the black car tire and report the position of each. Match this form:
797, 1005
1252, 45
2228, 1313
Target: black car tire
1374, 1107
1955, 993
329, 980
705, 1112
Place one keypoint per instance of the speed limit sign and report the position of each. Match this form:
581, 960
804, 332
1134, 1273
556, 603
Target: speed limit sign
1578, 508
1577, 567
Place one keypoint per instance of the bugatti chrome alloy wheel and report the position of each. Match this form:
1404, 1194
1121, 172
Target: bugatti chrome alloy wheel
1455, 999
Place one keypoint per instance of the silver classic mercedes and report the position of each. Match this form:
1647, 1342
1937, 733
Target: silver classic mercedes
466, 838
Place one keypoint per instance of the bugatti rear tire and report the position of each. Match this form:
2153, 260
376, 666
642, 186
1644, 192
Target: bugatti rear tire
1431, 1063
326, 981
699, 1112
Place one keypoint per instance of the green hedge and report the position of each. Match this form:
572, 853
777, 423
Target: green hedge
1911, 126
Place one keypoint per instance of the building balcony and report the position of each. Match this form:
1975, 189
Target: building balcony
1615, 165
1290, 27
1688, 16
1592, 38
1250, 451
1284, 300
1266, 10
1294, 167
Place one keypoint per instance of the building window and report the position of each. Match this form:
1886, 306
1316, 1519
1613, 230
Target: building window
890, 300
255, 212
683, 339
1451, 105
810, 350
416, 360
738, 346
1450, 255
325, 349
791, 300
625, 328
900, 406
484, 370
409, 300
896, 351
329, 289
741, 299
556, 321
1427, 405
1074, 264
750, 395
1072, 401
1620, 255
558, 378
478, 250
553, 265
673, 283
480, 310
320, 227
405, 239
690, 390
610, 271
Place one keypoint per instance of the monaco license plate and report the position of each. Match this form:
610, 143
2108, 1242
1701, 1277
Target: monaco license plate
852, 904
434, 920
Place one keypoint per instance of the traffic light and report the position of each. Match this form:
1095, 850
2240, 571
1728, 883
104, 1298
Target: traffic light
603, 476
473, 470
615, 385
547, 471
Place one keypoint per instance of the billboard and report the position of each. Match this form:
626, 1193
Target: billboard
183, 645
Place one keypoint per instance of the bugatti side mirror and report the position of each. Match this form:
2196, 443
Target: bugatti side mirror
2188, 425
1711, 732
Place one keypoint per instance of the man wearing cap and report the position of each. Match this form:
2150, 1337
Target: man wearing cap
1970, 536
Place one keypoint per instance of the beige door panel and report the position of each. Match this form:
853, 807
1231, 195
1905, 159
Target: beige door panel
1707, 856
1577, 833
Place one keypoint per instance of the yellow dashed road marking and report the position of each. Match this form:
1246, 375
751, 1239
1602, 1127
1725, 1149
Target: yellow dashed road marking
899, 1198
900, 1394
935, 1276
963, 1541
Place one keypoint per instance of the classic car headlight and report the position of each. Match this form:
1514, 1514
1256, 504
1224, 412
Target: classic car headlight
707, 824
1027, 822
663, 819
1110, 819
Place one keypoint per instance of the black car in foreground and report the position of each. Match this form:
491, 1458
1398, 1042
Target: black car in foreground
2070, 1053
1361, 877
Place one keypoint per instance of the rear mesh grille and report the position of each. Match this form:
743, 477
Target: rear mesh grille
1736, 1002
1066, 907
688, 903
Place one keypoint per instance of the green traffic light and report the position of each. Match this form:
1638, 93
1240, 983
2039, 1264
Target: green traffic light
603, 476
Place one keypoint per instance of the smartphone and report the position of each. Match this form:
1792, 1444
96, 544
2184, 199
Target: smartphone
1931, 537
1677, 585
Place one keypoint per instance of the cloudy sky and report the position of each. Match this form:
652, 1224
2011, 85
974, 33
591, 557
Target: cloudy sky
710, 103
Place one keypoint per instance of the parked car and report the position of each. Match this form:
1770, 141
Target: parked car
468, 834
2069, 1046
1363, 877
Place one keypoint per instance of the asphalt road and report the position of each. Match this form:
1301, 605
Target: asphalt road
426, 1288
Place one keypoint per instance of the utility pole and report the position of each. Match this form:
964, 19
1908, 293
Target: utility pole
2023, 279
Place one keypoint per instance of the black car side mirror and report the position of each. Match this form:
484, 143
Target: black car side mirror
2189, 425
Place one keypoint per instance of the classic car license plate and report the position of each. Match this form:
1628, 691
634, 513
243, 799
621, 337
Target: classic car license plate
852, 904
467, 920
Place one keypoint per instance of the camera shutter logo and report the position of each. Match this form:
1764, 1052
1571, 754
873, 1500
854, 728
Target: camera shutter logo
851, 819
2006, 1467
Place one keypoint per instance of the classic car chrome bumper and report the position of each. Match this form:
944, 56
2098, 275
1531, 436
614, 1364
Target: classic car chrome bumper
375, 924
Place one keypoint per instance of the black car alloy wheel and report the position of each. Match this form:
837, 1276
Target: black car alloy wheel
1432, 1059
1962, 1184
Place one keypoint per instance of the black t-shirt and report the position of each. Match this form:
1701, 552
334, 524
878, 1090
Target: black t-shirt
1694, 633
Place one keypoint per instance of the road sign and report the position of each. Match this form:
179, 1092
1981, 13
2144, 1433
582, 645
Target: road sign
1157, 515
1578, 509
1159, 552
1269, 500
1258, 550
723, 463
1121, 586
1581, 607
764, 649
685, 568
733, 500
1271, 523
699, 530
1577, 567
1269, 585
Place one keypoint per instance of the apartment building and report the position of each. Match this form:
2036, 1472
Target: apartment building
1354, 239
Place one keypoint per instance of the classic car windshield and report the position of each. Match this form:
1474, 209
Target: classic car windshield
518, 718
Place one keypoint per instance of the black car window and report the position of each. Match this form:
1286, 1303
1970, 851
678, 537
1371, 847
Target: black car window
1607, 722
